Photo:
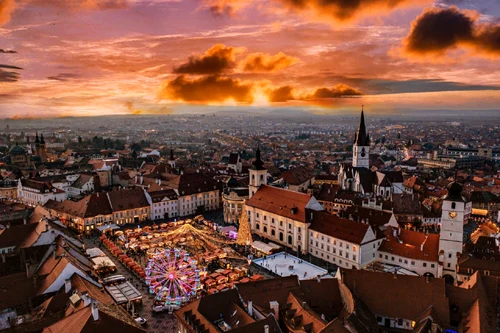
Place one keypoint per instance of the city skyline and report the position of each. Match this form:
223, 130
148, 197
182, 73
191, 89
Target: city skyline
89, 57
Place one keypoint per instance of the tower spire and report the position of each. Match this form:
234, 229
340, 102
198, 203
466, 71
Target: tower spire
258, 163
362, 139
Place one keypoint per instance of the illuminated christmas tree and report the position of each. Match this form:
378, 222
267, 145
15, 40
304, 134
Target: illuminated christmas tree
244, 234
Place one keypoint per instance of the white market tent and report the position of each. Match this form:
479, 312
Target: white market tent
124, 292
263, 247
95, 252
107, 227
102, 262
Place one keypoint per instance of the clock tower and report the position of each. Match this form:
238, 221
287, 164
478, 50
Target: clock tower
361, 147
257, 173
455, 211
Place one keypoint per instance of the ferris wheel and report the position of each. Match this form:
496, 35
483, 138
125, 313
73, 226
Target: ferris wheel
173, 277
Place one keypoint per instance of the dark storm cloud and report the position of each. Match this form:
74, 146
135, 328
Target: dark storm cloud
211, 88
8, 76
64, 76
216, 60
9, 66
438, 30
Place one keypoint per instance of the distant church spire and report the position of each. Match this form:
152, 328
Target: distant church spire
172, 158
258, 163
362, 139
37, 140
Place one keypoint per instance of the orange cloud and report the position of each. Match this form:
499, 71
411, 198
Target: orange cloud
439, 30
281, 94
215, 60
339, 90
211, 88
264, 62
6, 8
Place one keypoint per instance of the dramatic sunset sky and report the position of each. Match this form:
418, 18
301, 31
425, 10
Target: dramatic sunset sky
95, 57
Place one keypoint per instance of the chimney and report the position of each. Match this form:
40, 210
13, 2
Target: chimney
86, 298
266, 328
67, 285
25, 221
95, 310
275, 306
422, 247
250, 308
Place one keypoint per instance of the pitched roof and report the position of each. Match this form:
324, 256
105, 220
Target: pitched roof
413, 294
16, 289
17, 235
92, 205
297, 176
83, 321
280, 202
127, 199
334, 226
411, 244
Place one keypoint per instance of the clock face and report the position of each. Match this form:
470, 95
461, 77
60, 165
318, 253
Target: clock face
452, 214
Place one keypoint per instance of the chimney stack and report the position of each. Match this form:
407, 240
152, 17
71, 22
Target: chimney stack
95, 310
250, 308
275, 306
67, 285
266, 328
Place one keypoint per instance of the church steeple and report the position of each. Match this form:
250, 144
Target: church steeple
361, 147
37, 140
258, 163
258, 174
42, 139
362, 139
172, 158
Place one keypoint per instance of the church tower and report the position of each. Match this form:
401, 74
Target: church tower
454, 213
42, 149
171, 159
258, 174
37, 145
361, 147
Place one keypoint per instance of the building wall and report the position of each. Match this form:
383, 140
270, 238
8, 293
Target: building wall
281, 230
420, 267
188, 204
164, 209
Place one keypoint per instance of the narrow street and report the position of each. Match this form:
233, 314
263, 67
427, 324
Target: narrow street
162, 322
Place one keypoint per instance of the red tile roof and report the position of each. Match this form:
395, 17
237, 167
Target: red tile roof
410, 246
334, 226
280, 202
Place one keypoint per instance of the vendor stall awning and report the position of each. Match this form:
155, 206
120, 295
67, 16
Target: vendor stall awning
102, 262
95, 252
107, 227
263, 247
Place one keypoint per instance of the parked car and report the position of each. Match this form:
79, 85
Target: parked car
141, 321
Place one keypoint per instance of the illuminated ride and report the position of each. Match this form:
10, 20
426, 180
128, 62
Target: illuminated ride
173, 277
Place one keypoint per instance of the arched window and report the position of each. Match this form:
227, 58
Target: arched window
273, 233
453, 205
265, 229
290, 241
257, 226
261, 177
281, 236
